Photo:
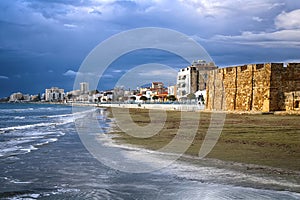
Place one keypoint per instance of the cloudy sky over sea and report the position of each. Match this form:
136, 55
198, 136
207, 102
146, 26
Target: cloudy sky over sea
43, 42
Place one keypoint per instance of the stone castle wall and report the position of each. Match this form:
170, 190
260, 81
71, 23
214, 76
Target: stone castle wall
255, 87
291, 86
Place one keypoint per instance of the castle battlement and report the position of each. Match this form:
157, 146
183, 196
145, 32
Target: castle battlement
254, 87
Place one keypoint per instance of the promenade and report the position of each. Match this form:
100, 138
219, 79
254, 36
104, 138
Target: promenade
175, 107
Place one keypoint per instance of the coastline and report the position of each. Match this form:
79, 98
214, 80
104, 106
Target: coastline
237, 172
158, 106
242, 129
245, 131
254, 152
180, 107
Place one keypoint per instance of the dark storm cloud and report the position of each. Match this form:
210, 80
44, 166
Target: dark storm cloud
42, 41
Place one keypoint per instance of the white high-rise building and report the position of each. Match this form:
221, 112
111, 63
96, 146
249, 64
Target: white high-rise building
84, 88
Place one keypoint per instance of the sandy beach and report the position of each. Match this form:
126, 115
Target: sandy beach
251, 144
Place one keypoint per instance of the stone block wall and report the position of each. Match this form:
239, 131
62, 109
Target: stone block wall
261, 87
292, 87
230, 86
215, 98
255, 87
277, 85
244, 88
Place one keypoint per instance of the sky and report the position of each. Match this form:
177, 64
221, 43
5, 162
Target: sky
44, 42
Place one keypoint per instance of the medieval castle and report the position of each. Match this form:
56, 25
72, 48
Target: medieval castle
255, 87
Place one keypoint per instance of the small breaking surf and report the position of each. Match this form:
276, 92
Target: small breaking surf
35, 131
208, 173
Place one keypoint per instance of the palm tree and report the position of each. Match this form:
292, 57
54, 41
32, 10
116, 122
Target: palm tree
143, 98
133, 98
155, 98
171, 98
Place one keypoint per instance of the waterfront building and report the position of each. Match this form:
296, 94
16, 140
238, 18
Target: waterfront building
26, 97
54, 94
84, 88
172, 90
158, 90
157, 85
193, 78
118, 94
107, 96
94, 96
73, 95
14, 97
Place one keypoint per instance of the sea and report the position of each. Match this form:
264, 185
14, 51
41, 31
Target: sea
43, 157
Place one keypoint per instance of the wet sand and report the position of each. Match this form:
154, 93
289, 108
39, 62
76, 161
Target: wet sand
266, 146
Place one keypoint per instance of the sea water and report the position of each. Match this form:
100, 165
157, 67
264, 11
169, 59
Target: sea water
42, 157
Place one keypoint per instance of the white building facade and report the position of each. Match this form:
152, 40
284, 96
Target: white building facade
16, 97
193, 78
54, 94
183, 82
172, 90
84, 88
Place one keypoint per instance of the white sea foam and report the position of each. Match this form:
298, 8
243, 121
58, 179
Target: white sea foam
27, 126
18, 141
18, 117
26, 138
15, 150
29, 149
50, 140
29, 141
212, 174
64, 119
20, 182
35, 137
9, 149
189, 171
59, 116
64, 190
20, 109
26, 197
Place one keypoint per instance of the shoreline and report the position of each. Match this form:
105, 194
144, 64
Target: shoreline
273, 178
233, 173
263, 155
165, 107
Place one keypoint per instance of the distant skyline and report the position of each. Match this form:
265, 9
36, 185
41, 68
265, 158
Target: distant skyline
44, 42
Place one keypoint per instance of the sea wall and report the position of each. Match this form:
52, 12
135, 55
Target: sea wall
175, 107
254, 87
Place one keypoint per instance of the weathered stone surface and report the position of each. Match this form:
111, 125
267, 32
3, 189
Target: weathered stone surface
255, 87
